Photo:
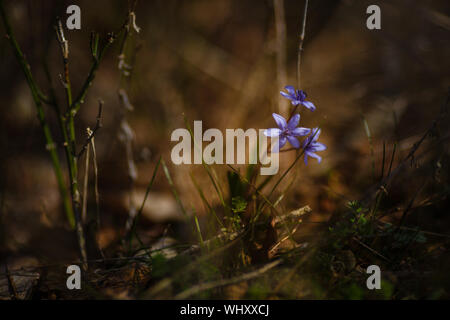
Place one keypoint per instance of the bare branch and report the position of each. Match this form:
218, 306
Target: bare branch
98, 125
225, 282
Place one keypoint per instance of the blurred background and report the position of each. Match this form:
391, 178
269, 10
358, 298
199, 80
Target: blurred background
224, 62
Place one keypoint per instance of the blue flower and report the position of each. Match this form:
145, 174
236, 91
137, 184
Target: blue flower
286, 131
297, 97
310, 145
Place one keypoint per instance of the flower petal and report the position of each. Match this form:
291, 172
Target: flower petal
309, 105
279, 143
281, 122
290, 89
272, 132
294, 141
287, 95
300, 132
293, 123
306, 158
301, 95
315, 134
282, 141
313, 155
319, 146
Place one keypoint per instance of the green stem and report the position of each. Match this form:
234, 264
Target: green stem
35, 92
75, 106
70, 146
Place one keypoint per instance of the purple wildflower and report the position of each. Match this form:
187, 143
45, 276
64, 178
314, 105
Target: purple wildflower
297, 97
287, 131
310, 145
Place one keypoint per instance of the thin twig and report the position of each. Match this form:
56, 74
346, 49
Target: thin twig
299, 53
11, 284
383, 160
410, 204
280, 30
300, 44
134, 222
91, 76
370, 249
369, 138
86, 180
167, 282
70, 145
98, 125
64, 44
97, 195
225, 282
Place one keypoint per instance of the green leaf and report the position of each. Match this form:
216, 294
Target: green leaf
238, 204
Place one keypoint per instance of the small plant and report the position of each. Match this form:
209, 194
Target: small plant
238, 204
66, 115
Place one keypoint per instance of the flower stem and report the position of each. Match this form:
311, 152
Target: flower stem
300, 45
